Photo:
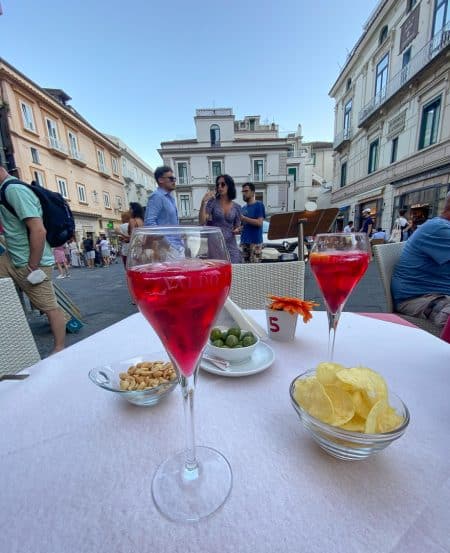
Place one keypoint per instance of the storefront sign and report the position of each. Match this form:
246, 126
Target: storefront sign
409, 29
397, 124
110, 225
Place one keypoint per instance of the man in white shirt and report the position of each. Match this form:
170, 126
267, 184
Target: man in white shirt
349, 227
105, 250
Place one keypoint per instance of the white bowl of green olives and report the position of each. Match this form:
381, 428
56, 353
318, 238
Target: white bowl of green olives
233, 344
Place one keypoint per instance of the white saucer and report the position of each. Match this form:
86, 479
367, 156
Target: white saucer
262, 358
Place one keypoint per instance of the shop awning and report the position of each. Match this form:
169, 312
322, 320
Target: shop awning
370, 194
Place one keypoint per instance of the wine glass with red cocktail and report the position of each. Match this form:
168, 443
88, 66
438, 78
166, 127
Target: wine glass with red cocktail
180, 278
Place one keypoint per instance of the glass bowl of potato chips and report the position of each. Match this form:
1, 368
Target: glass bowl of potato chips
142, 380
349, 412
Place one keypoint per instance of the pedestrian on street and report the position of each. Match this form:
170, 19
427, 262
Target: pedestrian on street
162, 209
252, 218
402, 223
349, 227
161, 206
136, 217
367, 225
74, 254
61, 261
219, 210
29, 259
105, 250
89, 251
124, 236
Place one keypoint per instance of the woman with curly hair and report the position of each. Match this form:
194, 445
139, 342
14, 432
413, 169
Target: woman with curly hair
219, 210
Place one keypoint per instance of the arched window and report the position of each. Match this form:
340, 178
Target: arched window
214, 133
383, 34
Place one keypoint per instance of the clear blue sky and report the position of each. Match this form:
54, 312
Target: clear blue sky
138, 69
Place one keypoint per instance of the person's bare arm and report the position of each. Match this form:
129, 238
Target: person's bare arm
37, 235
255, 222
203, 215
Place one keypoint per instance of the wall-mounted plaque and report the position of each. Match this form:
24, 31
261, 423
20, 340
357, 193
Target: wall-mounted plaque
409, 29
397, 124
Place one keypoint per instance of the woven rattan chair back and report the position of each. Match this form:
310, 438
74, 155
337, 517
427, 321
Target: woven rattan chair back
17, 347
252, 282
386, 257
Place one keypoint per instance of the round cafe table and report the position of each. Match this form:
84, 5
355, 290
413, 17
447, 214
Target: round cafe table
77, 462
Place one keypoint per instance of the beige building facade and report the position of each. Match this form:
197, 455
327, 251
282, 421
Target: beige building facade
392, 115
45, 140
280, 167
139, 180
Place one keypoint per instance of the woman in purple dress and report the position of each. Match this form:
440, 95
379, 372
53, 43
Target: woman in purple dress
219, 210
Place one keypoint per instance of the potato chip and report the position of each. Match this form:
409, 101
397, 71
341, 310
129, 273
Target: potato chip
389, 420
362, 406
326, 373
354, 399
356, 424
366, 380
342, 405
310, 394
375, 414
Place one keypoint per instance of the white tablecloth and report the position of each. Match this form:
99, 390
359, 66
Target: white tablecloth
77, 461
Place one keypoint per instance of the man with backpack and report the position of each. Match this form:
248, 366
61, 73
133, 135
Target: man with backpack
29, 258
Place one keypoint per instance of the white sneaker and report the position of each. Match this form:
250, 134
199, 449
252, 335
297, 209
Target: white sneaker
60, 276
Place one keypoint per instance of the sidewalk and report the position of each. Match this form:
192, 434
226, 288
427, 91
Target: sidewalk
102, 297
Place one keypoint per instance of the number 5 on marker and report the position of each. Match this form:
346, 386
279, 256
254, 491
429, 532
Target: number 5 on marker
273, 324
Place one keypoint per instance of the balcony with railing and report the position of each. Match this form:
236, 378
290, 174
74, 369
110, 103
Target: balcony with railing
77, 157
425, 56
57, 147
342, 138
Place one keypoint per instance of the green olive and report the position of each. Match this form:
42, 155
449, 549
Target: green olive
234, 331
218, 343
248, 341
216, 334
231, 341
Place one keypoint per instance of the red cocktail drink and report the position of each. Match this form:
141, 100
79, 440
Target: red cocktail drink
337, 273
181, 300
180, 277
338, 261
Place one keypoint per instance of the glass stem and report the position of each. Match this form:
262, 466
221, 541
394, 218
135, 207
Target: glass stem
188, 389
333, 319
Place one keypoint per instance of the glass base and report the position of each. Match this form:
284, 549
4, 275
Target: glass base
189, 496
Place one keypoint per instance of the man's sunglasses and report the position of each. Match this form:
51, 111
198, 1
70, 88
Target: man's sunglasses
172, 179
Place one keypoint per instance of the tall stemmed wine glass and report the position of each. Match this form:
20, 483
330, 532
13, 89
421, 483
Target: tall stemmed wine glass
338, 262
180, 278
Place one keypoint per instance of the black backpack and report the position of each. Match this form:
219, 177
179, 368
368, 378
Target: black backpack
56, 215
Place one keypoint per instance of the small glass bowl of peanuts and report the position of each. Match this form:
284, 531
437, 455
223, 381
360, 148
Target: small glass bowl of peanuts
142, 380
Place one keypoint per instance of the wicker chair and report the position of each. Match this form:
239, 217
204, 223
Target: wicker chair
253, 281
17, 347
386, 257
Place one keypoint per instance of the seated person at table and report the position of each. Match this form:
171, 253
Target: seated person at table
379, 235
421, 280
